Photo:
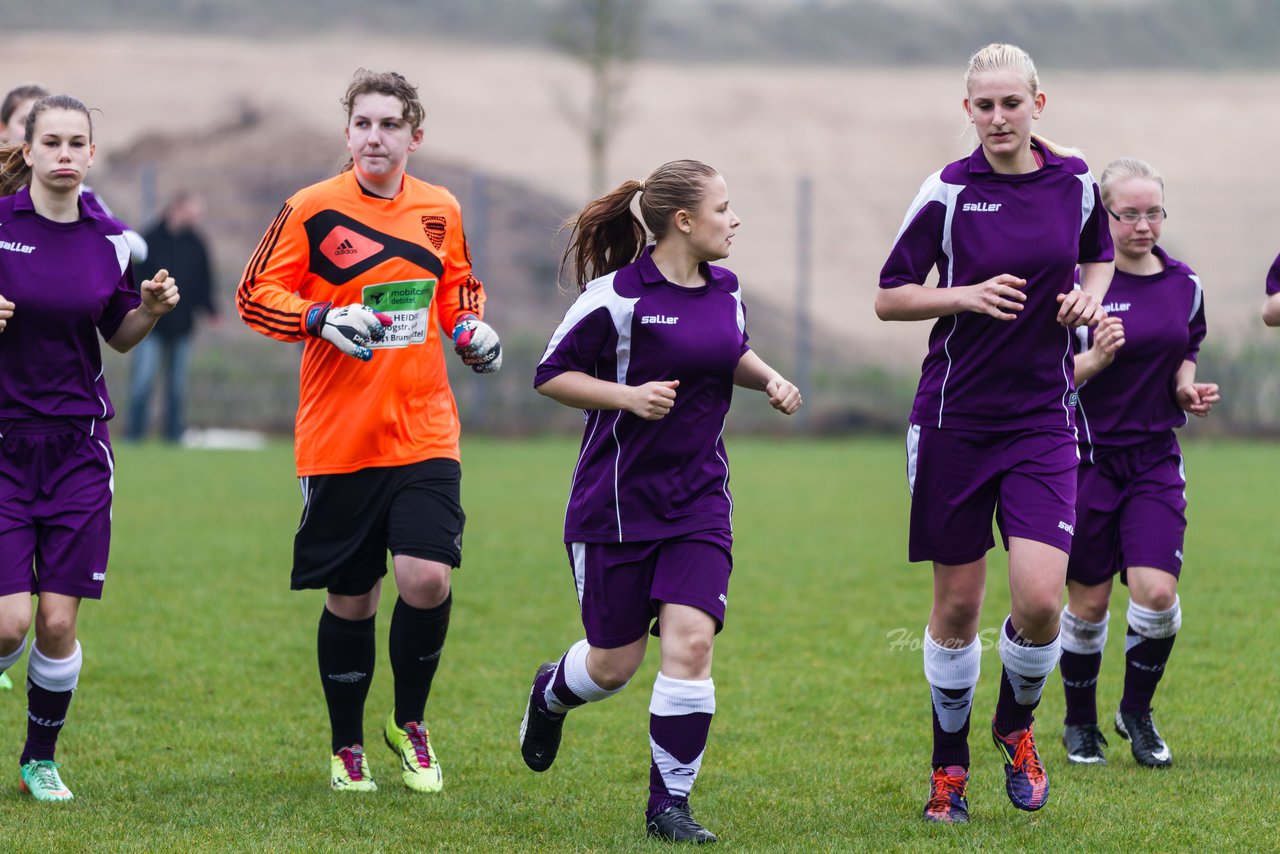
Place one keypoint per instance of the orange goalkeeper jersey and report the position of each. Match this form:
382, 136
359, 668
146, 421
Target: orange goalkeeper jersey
407, 257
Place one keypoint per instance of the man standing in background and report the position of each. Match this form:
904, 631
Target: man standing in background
177, 246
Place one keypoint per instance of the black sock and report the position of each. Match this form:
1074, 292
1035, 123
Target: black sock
346, 651
417, 639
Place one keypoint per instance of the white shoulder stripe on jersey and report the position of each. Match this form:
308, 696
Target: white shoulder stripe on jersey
1197, 299
932, 190
600, 294
121, 243
1086, 202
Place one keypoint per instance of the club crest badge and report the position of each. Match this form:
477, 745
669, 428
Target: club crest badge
434, 228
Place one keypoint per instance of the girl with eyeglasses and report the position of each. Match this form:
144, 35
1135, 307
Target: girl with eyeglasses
1137, 382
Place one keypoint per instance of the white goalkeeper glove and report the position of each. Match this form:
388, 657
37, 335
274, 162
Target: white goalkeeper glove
350, 328
478, 345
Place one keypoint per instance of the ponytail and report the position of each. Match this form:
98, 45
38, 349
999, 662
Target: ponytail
606, 235
14, 171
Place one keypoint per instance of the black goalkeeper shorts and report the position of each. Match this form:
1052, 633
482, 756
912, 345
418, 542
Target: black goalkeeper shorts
350, 522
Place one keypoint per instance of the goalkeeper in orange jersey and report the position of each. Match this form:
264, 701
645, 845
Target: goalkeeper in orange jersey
367, 269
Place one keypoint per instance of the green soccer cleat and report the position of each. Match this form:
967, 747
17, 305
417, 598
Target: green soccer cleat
419, 768
6, 684
349, 771
40, 779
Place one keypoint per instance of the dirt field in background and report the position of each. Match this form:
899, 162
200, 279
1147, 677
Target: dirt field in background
866, 138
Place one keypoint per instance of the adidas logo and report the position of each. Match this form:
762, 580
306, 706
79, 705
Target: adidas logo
345, 248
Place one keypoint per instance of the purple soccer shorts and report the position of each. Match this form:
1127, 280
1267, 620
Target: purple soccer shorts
1131, 511
56, 483
959, 479
620, 585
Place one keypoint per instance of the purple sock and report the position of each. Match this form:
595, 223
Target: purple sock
677, 744
46, 713
1144, 661
1080, 685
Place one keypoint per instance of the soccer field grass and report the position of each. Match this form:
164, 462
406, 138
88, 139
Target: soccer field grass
199, 723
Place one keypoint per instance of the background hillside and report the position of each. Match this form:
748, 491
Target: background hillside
245, 109
1207, 34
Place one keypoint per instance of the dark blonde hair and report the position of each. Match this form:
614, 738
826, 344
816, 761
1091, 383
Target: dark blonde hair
14, 171
366, 82
1126, 167
606, 235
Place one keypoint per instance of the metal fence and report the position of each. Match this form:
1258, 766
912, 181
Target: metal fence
798, 309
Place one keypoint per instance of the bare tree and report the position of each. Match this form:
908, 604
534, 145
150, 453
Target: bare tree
604, 35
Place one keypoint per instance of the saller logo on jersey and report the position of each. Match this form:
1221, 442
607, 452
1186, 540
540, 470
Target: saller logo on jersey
981, 207
659, 318
24, 248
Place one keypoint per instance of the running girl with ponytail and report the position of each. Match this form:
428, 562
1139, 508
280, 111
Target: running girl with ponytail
651, 351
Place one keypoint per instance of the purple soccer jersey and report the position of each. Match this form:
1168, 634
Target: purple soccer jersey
1273, 277
973, 224
1131, 400
68, 282
642, 480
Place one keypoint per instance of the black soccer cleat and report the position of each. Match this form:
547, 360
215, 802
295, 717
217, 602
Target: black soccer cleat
676, 824
1084, 743
540, 731
1147, 746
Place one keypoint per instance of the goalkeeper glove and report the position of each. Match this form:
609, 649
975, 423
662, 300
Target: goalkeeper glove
350, 328
478, 345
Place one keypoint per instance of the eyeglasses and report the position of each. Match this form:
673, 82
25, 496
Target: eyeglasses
1132, 218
